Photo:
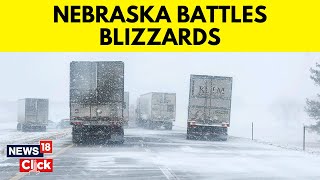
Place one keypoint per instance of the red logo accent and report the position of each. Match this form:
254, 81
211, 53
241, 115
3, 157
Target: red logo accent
45, 146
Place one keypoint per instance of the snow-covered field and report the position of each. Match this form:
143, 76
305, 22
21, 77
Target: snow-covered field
289, 138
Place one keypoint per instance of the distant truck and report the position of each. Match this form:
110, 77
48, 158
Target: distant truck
97, 101
33, 114
156, 110
209, 107
64, 123
132, 114
138, 119
126, 109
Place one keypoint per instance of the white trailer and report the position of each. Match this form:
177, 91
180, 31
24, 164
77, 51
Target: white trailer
157, 110
209, 107
132, 116
33, 114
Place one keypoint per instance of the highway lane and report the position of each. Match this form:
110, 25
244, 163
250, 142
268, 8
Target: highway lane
159, 154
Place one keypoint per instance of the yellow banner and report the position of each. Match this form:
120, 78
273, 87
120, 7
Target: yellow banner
159, 26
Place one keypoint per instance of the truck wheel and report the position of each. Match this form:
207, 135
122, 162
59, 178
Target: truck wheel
168, 126
188, 134
121, 133
43, 128
76, 139
18, 127
223, 138
189, 137
149, 125
121, 142
24, 128
117, 137
152, 125
76, 136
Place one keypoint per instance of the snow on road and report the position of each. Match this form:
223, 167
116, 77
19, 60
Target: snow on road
237, 158
162, 154
9, 135
151, 154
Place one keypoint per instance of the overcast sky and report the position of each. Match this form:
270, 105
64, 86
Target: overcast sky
260, 79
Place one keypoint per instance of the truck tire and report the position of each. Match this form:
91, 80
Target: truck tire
224, 134
188, 134
190, 137
152, 125
148, 125
76, 136
224, 139
168, 126
119, 132
19, 128
24, 128
76, 139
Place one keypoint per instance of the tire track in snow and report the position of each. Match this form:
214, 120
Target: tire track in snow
168, 173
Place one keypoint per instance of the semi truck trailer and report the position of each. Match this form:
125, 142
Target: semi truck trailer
137, 113
209, 107
97, 101
132, 115
33, 114
156, 110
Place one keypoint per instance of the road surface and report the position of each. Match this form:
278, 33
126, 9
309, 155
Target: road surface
152, 154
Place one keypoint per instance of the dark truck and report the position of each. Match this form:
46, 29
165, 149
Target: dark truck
97, 101
33, 114
209, 107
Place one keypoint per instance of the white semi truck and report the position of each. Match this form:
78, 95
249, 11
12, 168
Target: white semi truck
33, 114
97, 101
156, 110
209, 107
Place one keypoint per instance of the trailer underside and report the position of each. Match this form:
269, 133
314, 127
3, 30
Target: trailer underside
198, 132
24, 127
97, 133
150, 124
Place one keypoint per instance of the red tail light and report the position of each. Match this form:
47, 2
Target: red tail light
77, 123
192, 123
225, 124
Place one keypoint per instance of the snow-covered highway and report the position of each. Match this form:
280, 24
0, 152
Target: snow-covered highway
163, 154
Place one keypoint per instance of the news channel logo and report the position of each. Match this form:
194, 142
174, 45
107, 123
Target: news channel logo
32, 156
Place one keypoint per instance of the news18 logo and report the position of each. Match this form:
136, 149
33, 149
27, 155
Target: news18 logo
32, 156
